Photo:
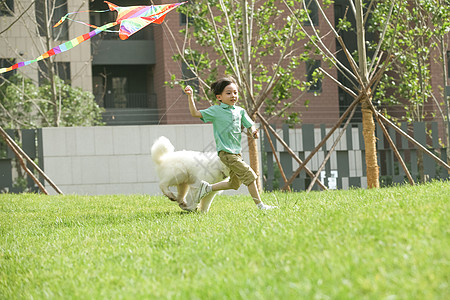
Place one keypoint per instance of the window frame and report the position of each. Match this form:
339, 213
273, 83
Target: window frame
311, 66
8, 10
313, 12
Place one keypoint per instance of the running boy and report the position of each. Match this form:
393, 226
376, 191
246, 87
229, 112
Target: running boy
227, 120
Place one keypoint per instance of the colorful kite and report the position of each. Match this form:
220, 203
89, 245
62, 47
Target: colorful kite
131, 20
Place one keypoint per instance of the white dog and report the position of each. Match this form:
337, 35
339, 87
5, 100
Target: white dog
185, 170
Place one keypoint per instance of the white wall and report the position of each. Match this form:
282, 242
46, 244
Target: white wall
116, 159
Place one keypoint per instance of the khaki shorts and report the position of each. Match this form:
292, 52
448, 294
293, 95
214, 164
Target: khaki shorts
240, 172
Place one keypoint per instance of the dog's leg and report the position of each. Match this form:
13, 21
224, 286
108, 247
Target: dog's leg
182, 191
165, 189
205, 203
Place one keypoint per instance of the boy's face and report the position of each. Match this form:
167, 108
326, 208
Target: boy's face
229, 95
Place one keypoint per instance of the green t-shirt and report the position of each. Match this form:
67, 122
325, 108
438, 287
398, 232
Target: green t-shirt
227, 121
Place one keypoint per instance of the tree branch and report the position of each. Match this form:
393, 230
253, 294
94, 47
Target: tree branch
17, 19
382, 37
326, 52
230, 32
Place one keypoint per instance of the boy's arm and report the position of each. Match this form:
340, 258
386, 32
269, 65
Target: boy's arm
192, 108
249, 124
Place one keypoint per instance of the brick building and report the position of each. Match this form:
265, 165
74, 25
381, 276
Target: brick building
129, 77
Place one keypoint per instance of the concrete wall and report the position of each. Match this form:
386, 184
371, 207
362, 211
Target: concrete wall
113, 159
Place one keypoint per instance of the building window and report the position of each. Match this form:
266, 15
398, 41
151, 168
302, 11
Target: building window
448, 64
117, 86
189, 77
117, 96
313, 12
48, 13
316, 83
6, 7
60, 69
6, 63
184, 19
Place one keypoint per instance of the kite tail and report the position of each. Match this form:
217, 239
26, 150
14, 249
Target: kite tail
61, 48
77, 12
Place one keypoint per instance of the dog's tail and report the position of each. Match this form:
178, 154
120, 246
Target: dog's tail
161, 147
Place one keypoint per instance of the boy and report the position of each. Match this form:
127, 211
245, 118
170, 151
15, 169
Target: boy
227, 120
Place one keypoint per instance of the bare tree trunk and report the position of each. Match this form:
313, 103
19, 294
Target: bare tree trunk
420, 111
444, 77
55, 102
49, 64
420, 167
370, 144
252, 144
254, 159
370, 141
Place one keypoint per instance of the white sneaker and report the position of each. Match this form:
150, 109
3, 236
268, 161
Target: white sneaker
202, 191
263, 206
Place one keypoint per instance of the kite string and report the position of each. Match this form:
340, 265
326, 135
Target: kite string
167, 110
179, 65
66, 17
90, 25
77, 12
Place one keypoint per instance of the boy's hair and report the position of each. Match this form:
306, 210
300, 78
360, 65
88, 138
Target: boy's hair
218, 86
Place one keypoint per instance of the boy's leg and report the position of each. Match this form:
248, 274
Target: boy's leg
253, 190
232, 183
205, 187
220, 186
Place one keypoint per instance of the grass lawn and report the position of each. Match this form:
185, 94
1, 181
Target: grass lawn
390, 243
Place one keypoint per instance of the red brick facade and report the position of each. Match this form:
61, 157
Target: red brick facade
323, 108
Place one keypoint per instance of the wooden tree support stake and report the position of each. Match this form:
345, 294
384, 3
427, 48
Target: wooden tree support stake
24, 166
394, 148
276, 157
416, 143
330, 133
341, 133
20, 155
308, 171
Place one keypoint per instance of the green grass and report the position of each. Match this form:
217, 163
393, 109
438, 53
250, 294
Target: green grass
390, 243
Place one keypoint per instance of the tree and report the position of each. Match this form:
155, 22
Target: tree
24, 105
42, 37
366, 101
362, 70
19, 103
77, 107
46, 14
54, 103
421, 28
364, 78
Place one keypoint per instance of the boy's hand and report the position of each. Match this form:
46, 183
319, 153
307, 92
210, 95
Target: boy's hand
188, 90
255, 134
192, 108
